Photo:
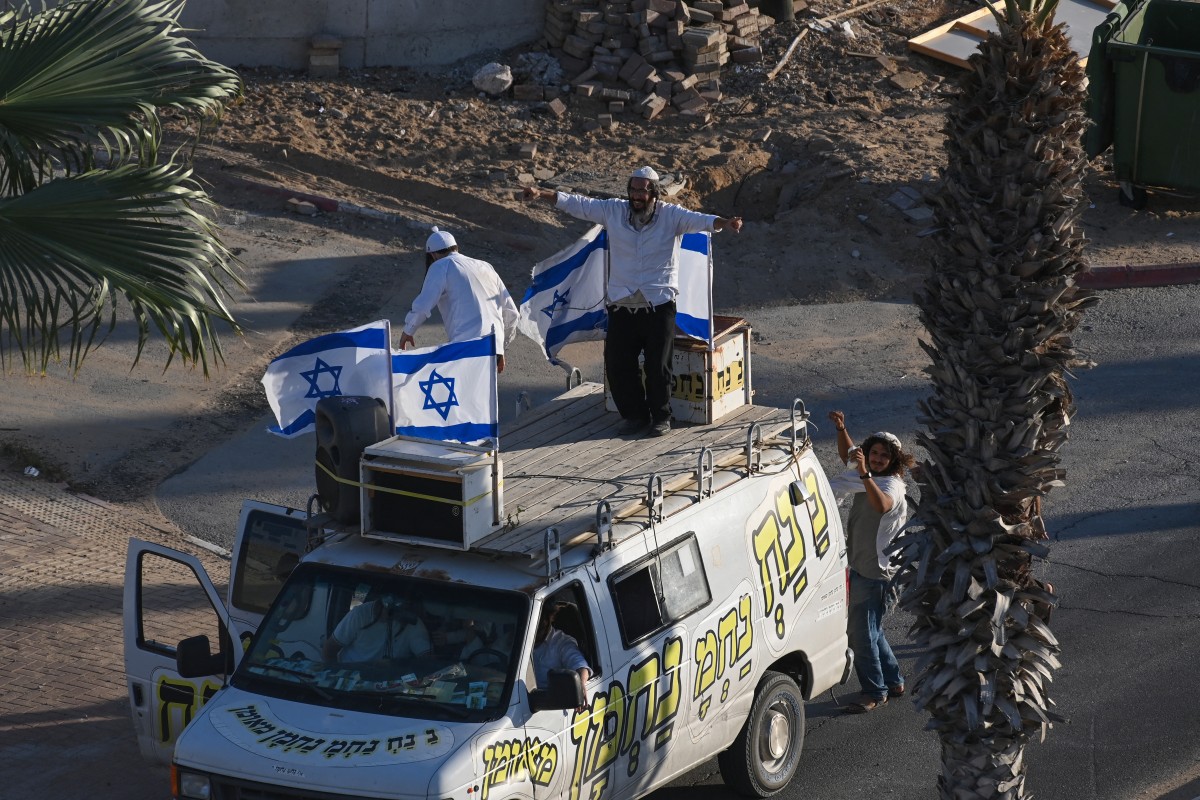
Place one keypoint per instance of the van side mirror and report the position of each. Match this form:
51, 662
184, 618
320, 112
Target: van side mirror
193, 658
798, 493
564, 692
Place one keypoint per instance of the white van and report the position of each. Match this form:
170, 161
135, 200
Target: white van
703, 575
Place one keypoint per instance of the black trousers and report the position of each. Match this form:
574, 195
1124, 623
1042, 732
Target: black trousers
632, 333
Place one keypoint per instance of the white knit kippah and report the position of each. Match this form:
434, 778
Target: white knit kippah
646, 172
889, 437
439, 240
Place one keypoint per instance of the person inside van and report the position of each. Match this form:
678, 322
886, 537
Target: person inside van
553, 649
381, 628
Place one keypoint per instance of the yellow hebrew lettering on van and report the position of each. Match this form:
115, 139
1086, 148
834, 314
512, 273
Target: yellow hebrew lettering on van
689, 386
780, 552
178, 700
617, 721
723, 648
513, 760
817, 511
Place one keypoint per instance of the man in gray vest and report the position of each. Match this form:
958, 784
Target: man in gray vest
876, 479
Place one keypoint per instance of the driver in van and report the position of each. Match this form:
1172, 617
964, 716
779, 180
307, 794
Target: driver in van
382, 628
553, 649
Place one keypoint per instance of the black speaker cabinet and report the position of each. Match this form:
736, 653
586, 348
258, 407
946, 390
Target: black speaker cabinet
346, 426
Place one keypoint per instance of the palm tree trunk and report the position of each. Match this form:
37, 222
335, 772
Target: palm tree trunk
999, 308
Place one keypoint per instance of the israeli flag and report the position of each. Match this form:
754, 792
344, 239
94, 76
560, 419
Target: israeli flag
693, 307
353, 362
565, 302
447, 392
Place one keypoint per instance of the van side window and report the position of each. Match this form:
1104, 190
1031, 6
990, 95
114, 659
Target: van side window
573, 617
644, 606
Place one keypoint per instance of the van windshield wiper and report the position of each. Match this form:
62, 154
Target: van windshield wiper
307, 680
425, 706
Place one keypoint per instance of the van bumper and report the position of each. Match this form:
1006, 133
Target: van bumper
849, 666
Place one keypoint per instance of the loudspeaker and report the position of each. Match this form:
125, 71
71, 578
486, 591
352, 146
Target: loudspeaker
346, 425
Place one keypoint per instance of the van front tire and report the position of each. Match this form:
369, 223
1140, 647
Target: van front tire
763, 758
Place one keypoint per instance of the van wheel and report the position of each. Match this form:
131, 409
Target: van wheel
763, 758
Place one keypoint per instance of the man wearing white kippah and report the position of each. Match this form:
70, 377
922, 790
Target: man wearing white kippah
468, 293
643, 282
875, 476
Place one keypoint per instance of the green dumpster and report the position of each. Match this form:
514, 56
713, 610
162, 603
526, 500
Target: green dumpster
1144, 95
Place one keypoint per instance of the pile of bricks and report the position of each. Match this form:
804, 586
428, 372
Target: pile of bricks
651, 55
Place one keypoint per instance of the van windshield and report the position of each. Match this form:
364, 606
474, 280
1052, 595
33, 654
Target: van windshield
388, 644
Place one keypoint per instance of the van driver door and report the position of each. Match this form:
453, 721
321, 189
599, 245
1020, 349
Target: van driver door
169, 597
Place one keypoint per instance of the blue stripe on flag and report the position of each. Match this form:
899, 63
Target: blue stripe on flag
696, 242
556, 335
555, 275
693, 326
463, 432
409, 363
371, 338
300, 423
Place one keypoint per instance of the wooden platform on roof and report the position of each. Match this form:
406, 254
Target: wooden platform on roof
955, 41
564, 457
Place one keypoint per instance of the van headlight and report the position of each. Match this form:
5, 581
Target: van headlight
194, 786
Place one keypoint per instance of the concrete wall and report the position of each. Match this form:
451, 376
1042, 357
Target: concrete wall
410, 33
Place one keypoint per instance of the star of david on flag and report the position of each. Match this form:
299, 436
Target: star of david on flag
447, 392
353, 362
443, 387
565, 302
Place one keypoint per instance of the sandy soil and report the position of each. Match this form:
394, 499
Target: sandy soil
810, 160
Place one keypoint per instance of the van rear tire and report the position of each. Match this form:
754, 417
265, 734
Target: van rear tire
764, 757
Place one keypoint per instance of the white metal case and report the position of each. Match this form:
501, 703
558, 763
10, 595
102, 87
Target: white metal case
423, 492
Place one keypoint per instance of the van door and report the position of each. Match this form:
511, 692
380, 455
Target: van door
559, 745
168, 597
270, 542
650, 689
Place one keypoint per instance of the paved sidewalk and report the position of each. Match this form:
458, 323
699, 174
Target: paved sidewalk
65, 729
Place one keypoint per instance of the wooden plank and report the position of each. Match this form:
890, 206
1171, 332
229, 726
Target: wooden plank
580, 396
947, 43
980, 23
623, 480
955, 41
614, 460
559, 427
575, 518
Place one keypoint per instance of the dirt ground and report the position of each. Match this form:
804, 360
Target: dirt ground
840, 139
810, 160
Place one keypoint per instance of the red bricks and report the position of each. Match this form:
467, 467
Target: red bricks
62, 673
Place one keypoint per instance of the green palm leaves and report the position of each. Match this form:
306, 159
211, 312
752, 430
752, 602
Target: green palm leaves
89, 212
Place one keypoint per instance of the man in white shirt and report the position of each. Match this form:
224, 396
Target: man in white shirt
553, 649
378, 629
642, 284
468, 293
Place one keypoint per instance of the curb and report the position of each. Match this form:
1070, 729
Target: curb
322, 203
1096, 277
1128, 276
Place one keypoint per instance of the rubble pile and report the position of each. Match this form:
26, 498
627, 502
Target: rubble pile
653, 54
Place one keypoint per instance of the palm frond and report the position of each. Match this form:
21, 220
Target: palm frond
70, 249
1010, 13
92, 73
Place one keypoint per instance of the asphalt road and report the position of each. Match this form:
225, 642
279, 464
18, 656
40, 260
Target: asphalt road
1123, 553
